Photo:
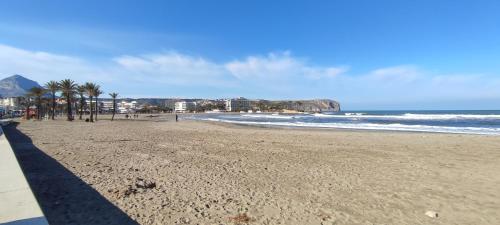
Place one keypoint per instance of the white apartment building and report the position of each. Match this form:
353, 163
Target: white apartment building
107, 106
184, 106
10, 103
237, 104
127, 107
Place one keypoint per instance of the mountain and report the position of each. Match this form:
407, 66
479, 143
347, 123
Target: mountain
16, 85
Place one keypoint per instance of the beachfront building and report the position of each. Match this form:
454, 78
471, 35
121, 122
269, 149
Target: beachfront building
87, 103
237, 104
10, 103
106, 106
184, 106
11, 106
127, 107
170, 104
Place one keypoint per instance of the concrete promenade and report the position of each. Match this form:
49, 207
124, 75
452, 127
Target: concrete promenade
18, 205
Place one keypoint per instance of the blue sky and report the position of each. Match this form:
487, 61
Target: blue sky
366, 54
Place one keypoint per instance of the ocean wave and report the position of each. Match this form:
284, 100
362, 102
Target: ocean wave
269, 116
450, 116
354, 114
413, 116
372, 126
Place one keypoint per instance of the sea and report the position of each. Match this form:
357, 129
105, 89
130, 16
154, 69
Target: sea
483, 122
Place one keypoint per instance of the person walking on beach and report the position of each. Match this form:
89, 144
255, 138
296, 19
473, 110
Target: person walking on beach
176, 118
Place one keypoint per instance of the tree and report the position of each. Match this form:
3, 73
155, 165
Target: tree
53, 87
89, 88
97, 92
81, 91
37, 92
68, 90
26, 102
113, 96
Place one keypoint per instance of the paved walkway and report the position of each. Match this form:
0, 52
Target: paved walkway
17, 203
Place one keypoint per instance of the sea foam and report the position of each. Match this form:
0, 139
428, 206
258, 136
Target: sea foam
371, 126
412, 116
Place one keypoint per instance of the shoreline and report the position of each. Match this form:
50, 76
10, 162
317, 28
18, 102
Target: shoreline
337, 129
476, 124
170, 117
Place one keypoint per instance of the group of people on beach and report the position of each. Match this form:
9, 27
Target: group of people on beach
133, 116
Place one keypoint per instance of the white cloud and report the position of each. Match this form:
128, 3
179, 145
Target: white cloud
43, 66
276, 75
173, 68
168, 68
274, 65
396, 74
328, 72
407, 85
279, 65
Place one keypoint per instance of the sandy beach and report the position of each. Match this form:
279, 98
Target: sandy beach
192, 172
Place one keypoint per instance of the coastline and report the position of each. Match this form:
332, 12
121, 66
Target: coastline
208, 172
332, 129
336, 129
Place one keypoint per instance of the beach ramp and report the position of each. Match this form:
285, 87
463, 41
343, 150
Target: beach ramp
18, 205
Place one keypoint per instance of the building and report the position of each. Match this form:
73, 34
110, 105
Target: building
184, 106
11, 106
87, 103
237, 104
106, 106
10, 103
170, 104
127, 107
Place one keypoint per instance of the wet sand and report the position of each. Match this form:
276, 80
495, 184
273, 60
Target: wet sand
191, 172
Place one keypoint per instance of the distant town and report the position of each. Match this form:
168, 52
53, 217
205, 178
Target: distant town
14, 90
12, 105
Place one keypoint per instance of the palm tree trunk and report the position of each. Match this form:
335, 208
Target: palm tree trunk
27, 112
53, 105
38, 108
81, 107
75, 106
37, 111
114, 110
91, 110
69, 108
96, 108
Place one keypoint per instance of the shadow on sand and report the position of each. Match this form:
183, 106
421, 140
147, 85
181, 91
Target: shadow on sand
63, 196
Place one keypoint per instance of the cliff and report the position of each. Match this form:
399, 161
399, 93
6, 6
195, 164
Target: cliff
314, 105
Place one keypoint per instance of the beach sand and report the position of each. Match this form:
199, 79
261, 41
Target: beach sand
191, 172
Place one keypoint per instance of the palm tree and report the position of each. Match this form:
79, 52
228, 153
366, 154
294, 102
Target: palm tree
89, 88
68, 90
26, 102
97, 92
53, 87
37, 92
113, 96
81, 91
